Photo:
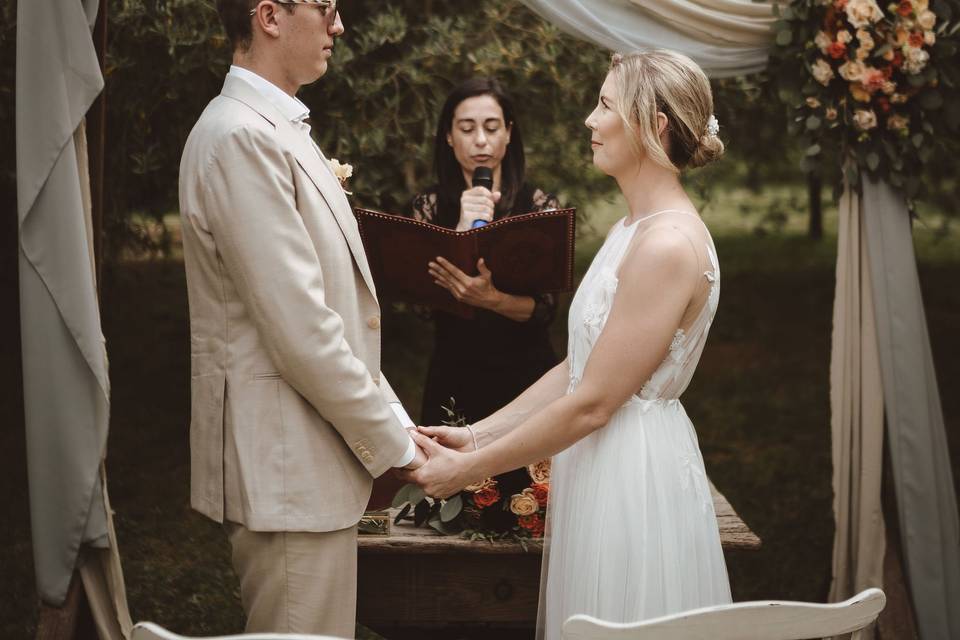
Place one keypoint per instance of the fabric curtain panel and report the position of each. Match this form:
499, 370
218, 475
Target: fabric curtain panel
725, 37
66, 386
856, 401
923, 481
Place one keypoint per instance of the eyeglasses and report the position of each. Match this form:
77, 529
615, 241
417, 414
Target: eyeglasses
323, 5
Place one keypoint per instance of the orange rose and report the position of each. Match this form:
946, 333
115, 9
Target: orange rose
905, 8
534, 524
486, 497
541, 492
916, 39
837, 50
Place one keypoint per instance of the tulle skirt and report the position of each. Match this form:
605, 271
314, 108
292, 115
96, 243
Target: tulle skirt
631, 529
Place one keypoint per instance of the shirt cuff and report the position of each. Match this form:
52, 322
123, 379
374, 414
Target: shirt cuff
407, 423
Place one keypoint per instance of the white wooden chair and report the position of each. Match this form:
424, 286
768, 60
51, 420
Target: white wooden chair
151, 631
760, 620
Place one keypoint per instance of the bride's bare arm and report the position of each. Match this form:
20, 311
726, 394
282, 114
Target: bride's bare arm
551, 385
658, 278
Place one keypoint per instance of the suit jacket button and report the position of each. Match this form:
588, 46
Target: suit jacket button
374, 322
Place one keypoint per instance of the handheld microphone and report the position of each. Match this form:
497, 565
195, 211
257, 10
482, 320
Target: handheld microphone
482, 177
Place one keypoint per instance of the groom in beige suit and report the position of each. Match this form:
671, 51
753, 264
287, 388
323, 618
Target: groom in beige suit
291, 417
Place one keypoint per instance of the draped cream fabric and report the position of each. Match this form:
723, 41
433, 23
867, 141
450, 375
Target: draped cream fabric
923, 481
725, 37
65, 383
856, 400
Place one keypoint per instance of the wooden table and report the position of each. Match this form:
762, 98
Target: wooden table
416, 578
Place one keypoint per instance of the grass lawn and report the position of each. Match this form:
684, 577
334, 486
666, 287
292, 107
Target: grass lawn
759, 401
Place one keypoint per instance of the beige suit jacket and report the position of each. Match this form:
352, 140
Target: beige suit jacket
290, 420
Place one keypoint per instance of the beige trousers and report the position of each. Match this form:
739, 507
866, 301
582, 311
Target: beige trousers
297, 582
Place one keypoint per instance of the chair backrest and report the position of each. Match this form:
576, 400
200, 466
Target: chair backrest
760, 620
151, 631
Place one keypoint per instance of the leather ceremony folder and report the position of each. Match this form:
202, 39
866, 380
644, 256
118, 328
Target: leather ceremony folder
528, 254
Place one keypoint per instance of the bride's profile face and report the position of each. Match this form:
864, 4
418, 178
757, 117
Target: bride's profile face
612, 151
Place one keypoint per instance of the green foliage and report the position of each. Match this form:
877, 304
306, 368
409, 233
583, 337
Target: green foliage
376, 108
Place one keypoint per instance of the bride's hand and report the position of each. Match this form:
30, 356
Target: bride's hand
457, 438
445, 473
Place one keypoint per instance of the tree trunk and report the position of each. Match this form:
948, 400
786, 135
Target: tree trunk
814, 190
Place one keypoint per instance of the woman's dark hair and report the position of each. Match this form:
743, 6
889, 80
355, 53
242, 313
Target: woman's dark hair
450, 182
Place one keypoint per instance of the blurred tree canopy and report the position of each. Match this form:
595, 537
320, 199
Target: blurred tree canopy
377, 106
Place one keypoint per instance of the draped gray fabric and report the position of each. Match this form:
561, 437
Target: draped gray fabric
725, 37
65, 383
856, 416
926, 499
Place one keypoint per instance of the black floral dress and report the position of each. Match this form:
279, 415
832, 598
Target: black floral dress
487, 361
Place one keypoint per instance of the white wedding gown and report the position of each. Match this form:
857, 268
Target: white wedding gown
631, 530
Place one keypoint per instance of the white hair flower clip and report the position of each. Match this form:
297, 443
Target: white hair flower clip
713, 125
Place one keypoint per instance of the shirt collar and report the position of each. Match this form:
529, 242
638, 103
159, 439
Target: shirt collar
289, 106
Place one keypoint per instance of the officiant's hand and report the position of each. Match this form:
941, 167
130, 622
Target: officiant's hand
477, 291
477, 203
457, 438
446, 471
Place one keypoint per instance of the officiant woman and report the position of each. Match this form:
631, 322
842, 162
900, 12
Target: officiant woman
484, 362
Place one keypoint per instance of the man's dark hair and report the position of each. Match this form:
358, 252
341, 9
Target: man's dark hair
236, 19
449, 173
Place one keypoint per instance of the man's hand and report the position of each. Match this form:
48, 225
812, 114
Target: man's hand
477, 291
419, 456
446, 471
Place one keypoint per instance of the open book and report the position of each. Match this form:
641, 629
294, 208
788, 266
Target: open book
528, 254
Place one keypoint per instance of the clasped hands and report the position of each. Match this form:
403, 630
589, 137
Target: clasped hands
443, 464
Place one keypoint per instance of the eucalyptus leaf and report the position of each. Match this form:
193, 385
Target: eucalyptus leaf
873, 160
402, 496
451, 508
813, 150
813, 123
931, 100
784, 37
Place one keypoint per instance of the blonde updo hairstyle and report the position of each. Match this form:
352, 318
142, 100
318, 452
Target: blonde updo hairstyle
664, 81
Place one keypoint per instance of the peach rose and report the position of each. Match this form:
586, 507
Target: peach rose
852, 71
929, 38
859, 93
830, 113
476, 487
914, 60
540, 472
898, 98
823, 41
813, 103
864, 119
844, 36
862, 13
822, 72
524, 503
897, 122
926, 20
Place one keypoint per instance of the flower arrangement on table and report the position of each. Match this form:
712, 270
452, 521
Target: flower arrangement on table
880, 83
510, 506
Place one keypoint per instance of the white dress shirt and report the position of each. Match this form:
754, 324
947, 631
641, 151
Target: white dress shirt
297, 112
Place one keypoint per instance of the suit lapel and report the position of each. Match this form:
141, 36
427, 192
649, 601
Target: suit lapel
314, 164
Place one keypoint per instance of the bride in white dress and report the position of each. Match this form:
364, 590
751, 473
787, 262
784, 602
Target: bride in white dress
631, 528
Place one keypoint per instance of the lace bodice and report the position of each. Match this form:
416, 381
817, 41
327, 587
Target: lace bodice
594, 298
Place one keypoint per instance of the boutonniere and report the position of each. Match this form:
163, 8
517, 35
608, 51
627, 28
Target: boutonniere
342, 172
